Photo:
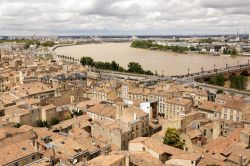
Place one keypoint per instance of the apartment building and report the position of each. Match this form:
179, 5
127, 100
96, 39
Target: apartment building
130, 123
48, 112
177, 108
199, 96
110, 160
22, 114
224, 98
234, 110
17, 147
9, 79
36, 90
162, 93
102, 111
155, 148
212, 110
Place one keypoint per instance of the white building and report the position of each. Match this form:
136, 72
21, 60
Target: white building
150, 108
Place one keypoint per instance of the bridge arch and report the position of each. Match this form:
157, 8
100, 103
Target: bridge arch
245, 73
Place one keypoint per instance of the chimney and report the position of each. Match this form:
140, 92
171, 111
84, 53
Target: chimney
119, 111
35, 144
240, 160
135, 116
53, 152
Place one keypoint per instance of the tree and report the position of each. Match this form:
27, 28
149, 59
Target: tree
76, 113
41, 123
134, 67
238, 82
218, 79
48, 44
220, 91
54, 121
148, 72
208, 40
234, 52
172, 138
192, 48
142, 44
87, 61
114, 66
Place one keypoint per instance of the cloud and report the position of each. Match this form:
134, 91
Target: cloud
96, 17
225, 4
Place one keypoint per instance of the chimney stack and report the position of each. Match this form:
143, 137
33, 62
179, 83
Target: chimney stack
135, 116
240, 160
119, 110
35, 144
54, 152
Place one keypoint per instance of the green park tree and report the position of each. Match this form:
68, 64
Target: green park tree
172, 138
134, 67
54, 121
238, 82
218, 79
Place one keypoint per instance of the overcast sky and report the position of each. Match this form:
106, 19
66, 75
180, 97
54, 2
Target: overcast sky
114, 17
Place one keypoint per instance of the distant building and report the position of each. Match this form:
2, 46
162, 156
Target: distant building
150, 108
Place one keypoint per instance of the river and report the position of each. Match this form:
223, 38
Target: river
167, 63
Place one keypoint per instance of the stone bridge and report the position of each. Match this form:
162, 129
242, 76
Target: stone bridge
228, 71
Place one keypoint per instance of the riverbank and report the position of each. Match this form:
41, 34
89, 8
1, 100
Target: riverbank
152, 46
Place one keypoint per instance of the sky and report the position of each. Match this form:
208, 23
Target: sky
123, 17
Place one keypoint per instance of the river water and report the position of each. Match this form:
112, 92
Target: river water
167, 63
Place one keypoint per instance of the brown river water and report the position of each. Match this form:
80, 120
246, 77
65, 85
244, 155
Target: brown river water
167, 63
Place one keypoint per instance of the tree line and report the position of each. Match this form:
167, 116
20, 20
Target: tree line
147, 44
133, 67
69, 58
44, 123
228, 51
236, 82
29, 42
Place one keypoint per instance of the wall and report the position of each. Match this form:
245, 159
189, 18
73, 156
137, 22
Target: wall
112, 136
26, 160
181, 162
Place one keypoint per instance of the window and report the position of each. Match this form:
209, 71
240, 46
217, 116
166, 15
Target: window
33, 158
237, 119
15, 164
225, 116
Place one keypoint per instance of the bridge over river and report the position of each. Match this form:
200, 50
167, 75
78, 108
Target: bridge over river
228, 71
